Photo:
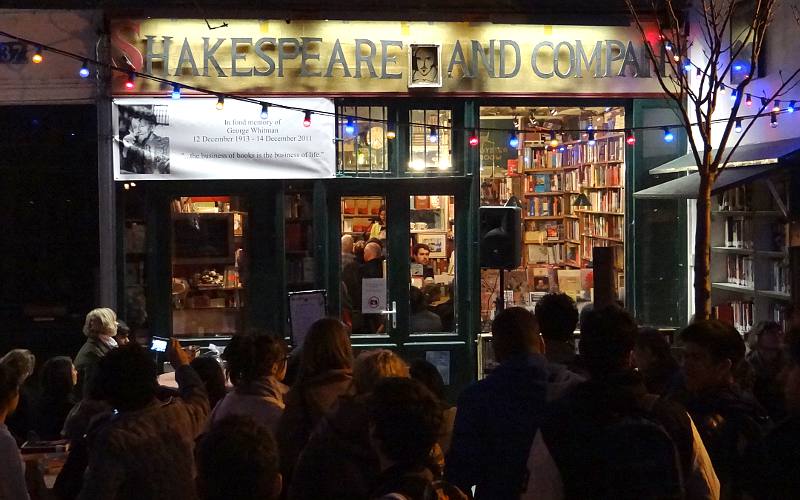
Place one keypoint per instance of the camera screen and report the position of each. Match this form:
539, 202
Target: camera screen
158, 345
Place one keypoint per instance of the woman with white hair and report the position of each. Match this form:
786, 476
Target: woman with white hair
100, 328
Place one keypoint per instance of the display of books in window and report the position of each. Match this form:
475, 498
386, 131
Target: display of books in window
738, 232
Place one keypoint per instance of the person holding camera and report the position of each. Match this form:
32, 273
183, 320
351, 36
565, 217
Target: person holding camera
144, 448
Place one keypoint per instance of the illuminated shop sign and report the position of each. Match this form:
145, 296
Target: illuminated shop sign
385, 57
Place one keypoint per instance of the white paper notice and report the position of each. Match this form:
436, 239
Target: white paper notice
188, 138
373, 295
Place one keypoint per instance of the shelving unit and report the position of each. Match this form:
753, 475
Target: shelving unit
299, 239
750, 268
553, 178
207, 290
358, 214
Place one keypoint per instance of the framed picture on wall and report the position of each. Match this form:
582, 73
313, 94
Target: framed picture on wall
423, 64
437, 243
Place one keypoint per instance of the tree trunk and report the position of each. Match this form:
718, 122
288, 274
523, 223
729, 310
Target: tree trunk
702, 249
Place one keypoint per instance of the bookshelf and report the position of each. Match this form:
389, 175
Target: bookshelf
750, 268
557, 233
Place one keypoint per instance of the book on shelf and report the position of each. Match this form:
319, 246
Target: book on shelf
738, 232
553, 231
544, 206
738, 314
779, 313
606, 201
544, 183
740, 270
737, 199
537, 254
781, 277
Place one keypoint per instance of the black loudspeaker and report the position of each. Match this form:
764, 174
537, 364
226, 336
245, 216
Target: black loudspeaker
500, 238
605, 293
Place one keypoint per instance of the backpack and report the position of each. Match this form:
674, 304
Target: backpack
636, 458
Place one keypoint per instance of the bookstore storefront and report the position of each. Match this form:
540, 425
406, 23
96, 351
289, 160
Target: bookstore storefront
356, 164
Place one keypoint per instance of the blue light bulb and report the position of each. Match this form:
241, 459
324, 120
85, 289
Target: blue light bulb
668, 136
84, 71
513, 141
350, 127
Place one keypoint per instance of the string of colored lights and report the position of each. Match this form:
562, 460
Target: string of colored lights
350, 125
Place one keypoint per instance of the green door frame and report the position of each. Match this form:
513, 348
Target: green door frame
397, 193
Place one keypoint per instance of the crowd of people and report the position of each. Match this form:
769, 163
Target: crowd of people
618, 418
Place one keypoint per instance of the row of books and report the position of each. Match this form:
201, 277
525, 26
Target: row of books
605, 227
604, 150
589, 243
543, 183
572, 229
779, 313
738, 232
739, 314
781, 278
600, 176
737, 198
544, 206
551, 254
606, 201
740, 270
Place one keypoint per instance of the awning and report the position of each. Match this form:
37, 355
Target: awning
687, 187
764, 153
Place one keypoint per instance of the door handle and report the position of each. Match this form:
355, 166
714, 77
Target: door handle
393, 313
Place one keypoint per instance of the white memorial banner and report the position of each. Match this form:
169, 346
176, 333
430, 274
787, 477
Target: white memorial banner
188, 138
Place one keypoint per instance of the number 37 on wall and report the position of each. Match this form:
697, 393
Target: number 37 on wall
13, 53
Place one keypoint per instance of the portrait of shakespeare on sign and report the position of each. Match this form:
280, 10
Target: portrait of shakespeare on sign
423, 63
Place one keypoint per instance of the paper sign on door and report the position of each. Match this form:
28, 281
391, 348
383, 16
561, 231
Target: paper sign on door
373, 295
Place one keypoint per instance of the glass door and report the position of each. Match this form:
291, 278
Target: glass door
364, 264
432, 291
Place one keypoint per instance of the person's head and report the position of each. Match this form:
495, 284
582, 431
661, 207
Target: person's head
712, 351
325, 348
358, 249
372, 251
425, 58
127, 377
9, 390
100, 321
347, 244
382, 215
651, 351
58, 377
792, 387
405, 419
767, 338
210, 372
515, 332
421, 253
607, 338
237, 458
254, 356
424, 371
557, 316
123, 332
142, 122
22, 362
417, 300
372, 366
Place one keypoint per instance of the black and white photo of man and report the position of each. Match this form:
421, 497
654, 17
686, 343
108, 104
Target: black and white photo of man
425, 66
142, 151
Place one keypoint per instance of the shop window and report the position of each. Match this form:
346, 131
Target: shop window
432, 293
565, 168
362, 144
431, 141
209, 265
134, 311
